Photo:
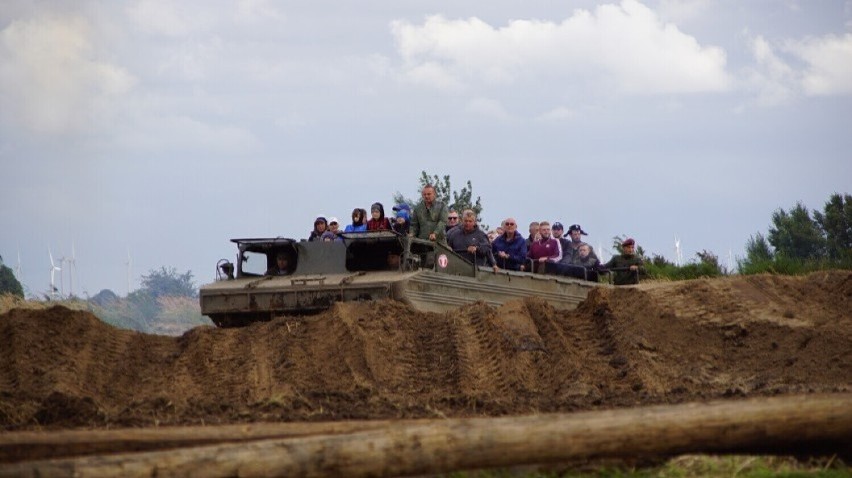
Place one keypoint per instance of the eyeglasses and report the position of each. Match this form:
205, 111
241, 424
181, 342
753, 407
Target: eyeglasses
510, 223
453, 218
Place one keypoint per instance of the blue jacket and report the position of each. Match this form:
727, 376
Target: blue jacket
354, 228
517, 250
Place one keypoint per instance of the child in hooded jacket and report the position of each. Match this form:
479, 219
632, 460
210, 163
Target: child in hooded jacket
378, 221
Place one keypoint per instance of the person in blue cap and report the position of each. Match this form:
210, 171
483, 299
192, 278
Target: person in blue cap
402, 223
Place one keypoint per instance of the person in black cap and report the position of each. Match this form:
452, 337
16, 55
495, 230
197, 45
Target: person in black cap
558, 233
571, 254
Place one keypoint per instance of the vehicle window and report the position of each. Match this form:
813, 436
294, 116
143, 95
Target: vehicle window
254, 263
373, 256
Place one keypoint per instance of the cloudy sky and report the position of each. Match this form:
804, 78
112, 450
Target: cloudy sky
162, 129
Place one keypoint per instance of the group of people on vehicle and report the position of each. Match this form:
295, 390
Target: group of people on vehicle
547, 249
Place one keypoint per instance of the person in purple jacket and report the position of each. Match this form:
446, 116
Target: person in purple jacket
545, 249
510, 248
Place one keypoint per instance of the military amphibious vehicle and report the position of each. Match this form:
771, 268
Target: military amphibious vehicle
365, 266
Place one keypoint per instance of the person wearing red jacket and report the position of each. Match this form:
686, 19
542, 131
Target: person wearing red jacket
378, 221
544, 248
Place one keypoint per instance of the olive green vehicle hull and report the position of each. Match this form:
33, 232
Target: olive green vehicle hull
449, 282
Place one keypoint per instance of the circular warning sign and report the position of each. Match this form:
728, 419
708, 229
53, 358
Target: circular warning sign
442, 261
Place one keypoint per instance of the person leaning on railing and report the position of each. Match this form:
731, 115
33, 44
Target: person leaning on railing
471, 242
510, 248
626, 266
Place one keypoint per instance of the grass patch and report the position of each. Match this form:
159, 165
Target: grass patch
710, 466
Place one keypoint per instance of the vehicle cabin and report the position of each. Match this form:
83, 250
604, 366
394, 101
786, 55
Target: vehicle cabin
356, 252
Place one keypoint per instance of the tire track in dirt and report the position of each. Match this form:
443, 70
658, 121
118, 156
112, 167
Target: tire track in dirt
480, 376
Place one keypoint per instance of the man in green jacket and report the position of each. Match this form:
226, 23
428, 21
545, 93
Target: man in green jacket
429, 218
626, 266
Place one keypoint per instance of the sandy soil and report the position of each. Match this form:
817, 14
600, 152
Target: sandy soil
655, 343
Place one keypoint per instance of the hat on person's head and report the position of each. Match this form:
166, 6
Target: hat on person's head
377, 206
320, 219
576, 227
333, 220
628, 242
557, 225
328, 235
403, 214
402, 207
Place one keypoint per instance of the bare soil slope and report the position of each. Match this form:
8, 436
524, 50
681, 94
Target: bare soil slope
655, 343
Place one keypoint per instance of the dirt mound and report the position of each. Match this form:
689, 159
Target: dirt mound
655, 343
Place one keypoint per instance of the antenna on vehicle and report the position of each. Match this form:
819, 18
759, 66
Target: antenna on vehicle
129, 263
53, 269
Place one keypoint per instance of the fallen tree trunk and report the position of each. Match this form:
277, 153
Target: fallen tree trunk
820, 423
40, 445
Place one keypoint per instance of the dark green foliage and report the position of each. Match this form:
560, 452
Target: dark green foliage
795, 235
143, 308
9, 284
104, 297
167, 282
706, 266
757, 249
836, 223
801, 244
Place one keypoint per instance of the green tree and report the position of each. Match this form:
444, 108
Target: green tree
795, 235
9, 284
757, 249
167, 282
836, 224
455, 200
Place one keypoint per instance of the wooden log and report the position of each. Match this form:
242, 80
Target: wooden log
39, 445
779, 423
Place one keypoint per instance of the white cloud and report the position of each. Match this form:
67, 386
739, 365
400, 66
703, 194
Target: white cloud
51, 80
814, 67
829, 60
774, 80
622, 48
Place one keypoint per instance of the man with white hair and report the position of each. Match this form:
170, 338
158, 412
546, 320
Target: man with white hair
510, 248
471, 242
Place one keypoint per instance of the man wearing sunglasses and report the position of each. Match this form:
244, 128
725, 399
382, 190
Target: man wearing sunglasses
452, 220
510, 248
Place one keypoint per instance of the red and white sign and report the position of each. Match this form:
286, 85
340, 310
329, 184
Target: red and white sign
442, 261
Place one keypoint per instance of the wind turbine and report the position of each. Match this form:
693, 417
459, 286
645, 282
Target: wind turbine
678, 252
129, 263
18, 267
72, 269
53, 269
62, 262
730, 261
